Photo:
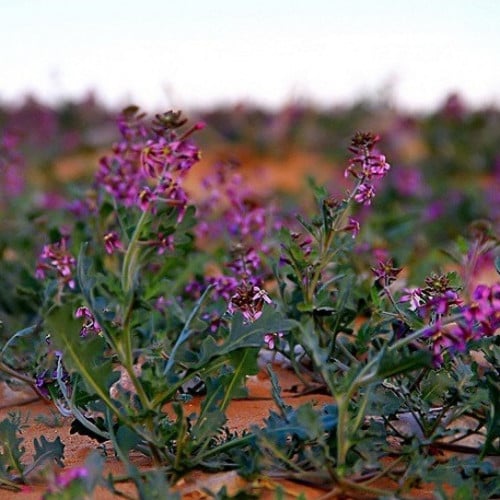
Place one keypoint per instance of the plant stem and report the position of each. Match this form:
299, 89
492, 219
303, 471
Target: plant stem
129, 266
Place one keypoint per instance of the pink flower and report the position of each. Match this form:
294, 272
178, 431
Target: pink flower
56, 257
352, 226
364, 194
270, 339
413, 296
90, 325
112, 242
64, 478
249, 300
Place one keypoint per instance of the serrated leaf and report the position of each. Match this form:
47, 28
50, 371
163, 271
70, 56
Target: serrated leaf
46, 450
11, 450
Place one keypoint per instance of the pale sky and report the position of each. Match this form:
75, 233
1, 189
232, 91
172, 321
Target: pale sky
190, 53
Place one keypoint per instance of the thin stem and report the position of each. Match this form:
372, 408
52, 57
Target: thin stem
13, 373
400, 313
130, 259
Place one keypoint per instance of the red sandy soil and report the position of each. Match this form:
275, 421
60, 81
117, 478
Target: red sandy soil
241, 414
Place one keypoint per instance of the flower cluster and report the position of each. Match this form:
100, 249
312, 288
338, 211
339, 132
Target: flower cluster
366, 165
57, 257
90, 324
481, 318
249, 300
477, 319
147, 165
230, 209
436, 298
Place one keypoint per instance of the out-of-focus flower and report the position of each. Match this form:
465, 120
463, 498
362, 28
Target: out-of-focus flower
12, 178
56, 257
249, 300
90, 324
352, 226
413, 296
385, 272
112, 242
67, 476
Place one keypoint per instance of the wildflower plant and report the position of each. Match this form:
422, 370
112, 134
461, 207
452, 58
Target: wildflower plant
124, 336
136, 316
390, 363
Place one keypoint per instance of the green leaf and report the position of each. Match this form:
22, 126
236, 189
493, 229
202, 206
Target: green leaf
242, 335
493, 426
244, 362
276, 392
82, 355
48, 450
11, 450
127, 439
397, 363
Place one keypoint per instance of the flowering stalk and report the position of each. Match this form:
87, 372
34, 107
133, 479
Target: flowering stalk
365, 165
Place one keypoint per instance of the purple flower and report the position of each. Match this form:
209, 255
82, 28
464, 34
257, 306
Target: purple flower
443, 339
271, 338
56, 257
483, 314
364, 194
365, 165
112, 242
480, 319
147, 165
413, 296
352, 226
249, 300
224, 286
90, 325
11, 166
163, 243
385, 272
67, 476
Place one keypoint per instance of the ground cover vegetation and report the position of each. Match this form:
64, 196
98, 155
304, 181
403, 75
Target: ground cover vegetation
124, 296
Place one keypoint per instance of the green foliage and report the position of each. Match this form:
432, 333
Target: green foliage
119, 334
13, 466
